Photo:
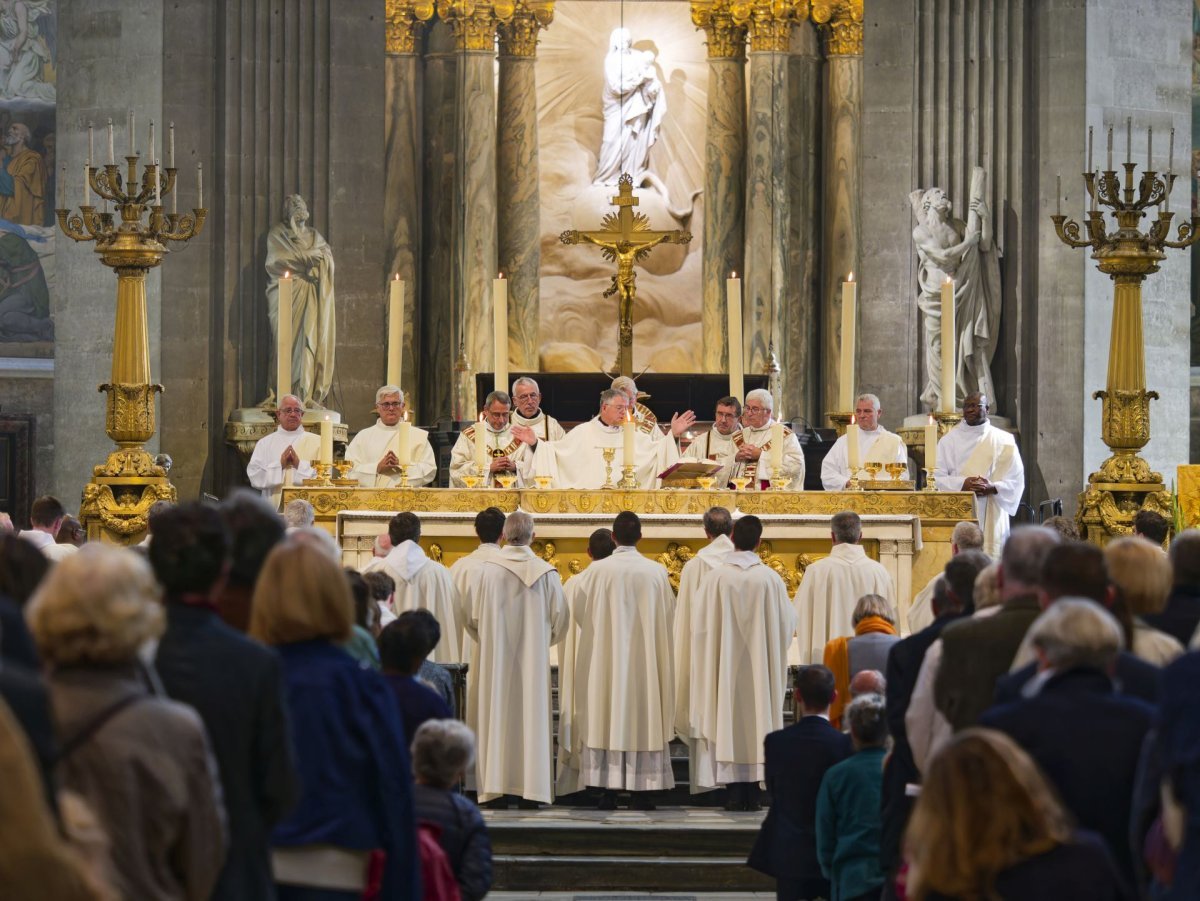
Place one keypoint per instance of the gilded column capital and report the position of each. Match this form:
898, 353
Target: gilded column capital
726, 38
769, 22
405, 20
841, 24
519, 35
473, 24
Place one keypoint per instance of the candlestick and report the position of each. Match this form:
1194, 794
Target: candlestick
1129, 139
395, 347
1171, 153
200, 185
931, 445
849, 327
157, 185
326, 440
1108, 168
90, 135
1090, 136
500, 331
627, 440
733, 303
150, 153
132, 137
1058, 194
87, 190
404, 437
112, 158
776, 456
852, 455
1150, 148
283, 338
171, 146
480, 444
948, 374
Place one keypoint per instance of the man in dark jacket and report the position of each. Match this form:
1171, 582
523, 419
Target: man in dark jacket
796, 760
1181, 615
235, 685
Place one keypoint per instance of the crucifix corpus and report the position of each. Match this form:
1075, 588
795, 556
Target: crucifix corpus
626, 238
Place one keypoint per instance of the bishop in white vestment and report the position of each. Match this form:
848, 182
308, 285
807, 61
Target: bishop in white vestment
976, 456
527, 402
501, 451
753, 459
285, 456
515, 611
832, 586
717, 444
420, 582
875, 445
375, 451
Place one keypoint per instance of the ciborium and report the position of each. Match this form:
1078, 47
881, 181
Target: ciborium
131, 241
1125, 484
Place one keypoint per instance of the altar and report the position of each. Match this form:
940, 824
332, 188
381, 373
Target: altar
906, 531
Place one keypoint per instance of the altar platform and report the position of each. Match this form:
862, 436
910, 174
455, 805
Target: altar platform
907, 531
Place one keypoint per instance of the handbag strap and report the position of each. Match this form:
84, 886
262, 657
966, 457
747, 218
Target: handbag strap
95, 724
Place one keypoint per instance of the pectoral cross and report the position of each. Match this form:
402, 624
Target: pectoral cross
625, 237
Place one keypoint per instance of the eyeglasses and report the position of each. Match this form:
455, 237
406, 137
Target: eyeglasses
389, 404
532, 396
290, 410
750, 409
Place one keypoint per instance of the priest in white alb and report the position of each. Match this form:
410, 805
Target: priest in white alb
500, 452
577, 461
624, 694
489, 524
754, 459
527, 402
832, 586
514, 611
285, 456
976, 456
718, 524
423, 583
741, 652
716, 445
376, 451
875, 445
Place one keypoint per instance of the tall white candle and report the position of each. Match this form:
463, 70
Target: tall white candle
157, 184
403, 452
931, 445
1058, 194
171, 146
852, 454
395, 346
200, 185
150, 152
733, 303
132, 140
91, 155
849, 326
87, 192
627, 442
326, 439
1091, 130
1129, 139
283, 338
776, 456
500, 331
481, 443
948, 380
112, 158
1109, 166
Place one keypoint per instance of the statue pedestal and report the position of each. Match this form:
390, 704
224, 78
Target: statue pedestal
247, 425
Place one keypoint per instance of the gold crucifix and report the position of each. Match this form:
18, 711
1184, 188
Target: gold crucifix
625, 237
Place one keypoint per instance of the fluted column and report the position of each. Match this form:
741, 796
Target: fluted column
842, 30
518, 204
724, 171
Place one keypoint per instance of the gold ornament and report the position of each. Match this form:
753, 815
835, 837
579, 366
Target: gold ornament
841, 23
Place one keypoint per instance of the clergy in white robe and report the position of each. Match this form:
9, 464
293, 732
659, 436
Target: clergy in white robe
285, 456
422, 583
718, 524
527, 403
515, 611
489, 524
624, 687
832, 586
875, 445
577, 461
966, 537
741, 665
501, 451
375, 451
717, 444
753, 459
976, 456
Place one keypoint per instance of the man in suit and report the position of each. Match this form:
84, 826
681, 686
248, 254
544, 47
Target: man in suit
796, 760
1086, 738
235, 685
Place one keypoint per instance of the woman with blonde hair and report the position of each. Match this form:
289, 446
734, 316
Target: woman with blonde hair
1142, 574
355, 806
988, 827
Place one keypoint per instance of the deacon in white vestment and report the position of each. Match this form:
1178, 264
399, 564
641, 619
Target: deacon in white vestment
285, 456
718, 524
501, 451
489, 524
577, 461
741, 671
422, 583
832, 586
875, 445
375, 451
976, 456
717, 445
624, 688
515, 611
642, 415
965, 537
754, 446
527, 399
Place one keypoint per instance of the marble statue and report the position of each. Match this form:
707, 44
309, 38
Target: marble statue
634, 107
293, 246
965, 252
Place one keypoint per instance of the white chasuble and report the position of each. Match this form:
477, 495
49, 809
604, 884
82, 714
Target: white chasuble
984, 450
265, 472
759, 470
372, 444
577, 461
879, 446
422, 583
828, 593
544, 426
496, 445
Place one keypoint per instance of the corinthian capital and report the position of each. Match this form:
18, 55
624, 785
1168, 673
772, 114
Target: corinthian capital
519, 35
726, 38
472, 23
405, 19
841, 23
769, 22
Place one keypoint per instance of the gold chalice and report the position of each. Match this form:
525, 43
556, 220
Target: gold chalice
873, 469
505, 480
740, 483
471, 482
895, 470
706, 482
780, 483
543, 482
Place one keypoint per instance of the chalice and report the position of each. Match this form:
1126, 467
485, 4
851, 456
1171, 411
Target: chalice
609, 453
505, 480
895, 470
471, 482
873, 469
543, 482
706, 482
740, 483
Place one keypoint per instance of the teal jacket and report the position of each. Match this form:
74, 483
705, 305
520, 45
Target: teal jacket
849, 823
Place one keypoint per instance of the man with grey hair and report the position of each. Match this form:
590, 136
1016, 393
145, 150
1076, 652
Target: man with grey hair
755, 452
285, 456
513, 610
967, 536
377, 451
1079, 730
501, 451
831, 587
528, 412
875, 445
298, 514
646, 420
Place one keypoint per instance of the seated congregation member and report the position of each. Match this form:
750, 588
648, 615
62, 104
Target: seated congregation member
46, 516
1180, 616
284, 457
874, 634
875, 445
362, 646
848, 807
1142, 575
298, 514
235, 684
142, 763
987, 824
375, 451
254, 529
403, 647
1077, 728
797, 759
421, 583
442, 751
351, 752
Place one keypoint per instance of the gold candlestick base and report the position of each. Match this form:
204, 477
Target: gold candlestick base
946, 420
609, 453
780, 484
854, 484
404, 483
628, 480
930, 482
322, 478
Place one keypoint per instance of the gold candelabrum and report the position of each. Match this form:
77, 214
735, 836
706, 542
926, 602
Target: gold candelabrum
1125, 484
131, 242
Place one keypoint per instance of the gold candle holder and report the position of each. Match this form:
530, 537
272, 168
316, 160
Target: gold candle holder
628, 479
930, 482
404, 483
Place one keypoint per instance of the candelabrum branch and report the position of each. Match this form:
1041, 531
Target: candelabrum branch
1189, 232
1068, 231
85, 225
1151, 190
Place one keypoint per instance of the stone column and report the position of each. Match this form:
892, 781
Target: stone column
724, 170
841, 22
518, 204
